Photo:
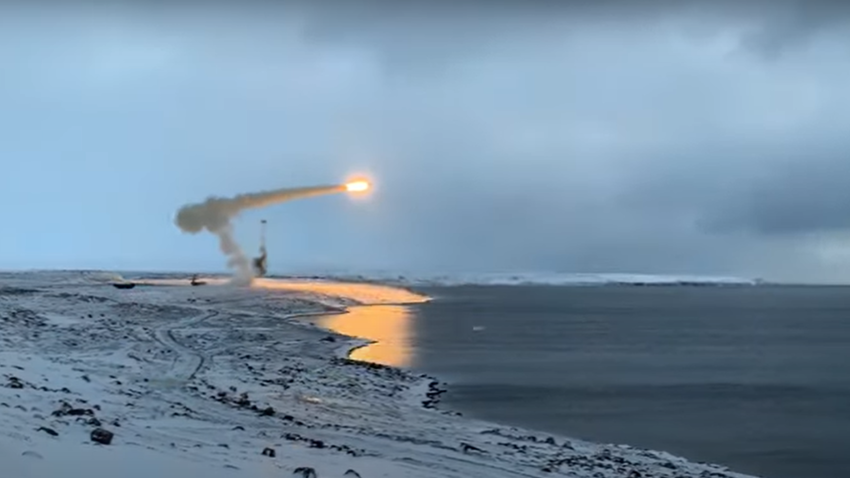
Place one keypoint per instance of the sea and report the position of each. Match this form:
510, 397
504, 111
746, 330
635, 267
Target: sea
756, 378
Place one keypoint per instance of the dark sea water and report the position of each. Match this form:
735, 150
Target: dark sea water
756, 378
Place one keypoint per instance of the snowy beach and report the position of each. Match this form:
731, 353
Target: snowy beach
166, 379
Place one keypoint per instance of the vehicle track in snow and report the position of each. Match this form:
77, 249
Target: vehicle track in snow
188, 361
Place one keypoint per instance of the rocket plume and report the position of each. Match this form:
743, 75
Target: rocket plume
215, 214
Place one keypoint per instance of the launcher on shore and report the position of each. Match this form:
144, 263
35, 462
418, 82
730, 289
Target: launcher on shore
259, 263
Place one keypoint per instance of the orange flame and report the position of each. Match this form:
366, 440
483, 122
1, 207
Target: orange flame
357, 186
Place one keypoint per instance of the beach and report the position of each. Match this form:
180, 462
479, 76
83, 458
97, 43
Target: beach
227, 381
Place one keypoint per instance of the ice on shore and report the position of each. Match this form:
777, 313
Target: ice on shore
212, 380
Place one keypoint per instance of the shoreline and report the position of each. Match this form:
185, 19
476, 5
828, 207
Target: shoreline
209, 377
435, 384
426, 398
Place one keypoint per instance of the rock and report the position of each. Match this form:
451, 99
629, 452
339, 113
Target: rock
239, 427
49, 431
99, 435
466, 448
269, 452
351, 473
32, 454
76, 412
268, 412
243, 401
63, 410
305, 472
329, 338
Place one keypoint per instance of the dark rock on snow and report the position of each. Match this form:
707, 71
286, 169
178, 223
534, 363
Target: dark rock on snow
99, 435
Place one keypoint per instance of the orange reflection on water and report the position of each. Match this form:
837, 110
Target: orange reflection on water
390, 325
383, 321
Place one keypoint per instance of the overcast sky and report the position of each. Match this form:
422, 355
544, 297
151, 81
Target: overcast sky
673, 137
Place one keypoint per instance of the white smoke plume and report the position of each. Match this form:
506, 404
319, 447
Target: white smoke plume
215, 214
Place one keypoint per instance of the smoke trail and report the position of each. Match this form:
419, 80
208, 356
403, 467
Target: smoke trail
215, 214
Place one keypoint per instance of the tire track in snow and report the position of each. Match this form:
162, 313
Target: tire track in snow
188, 362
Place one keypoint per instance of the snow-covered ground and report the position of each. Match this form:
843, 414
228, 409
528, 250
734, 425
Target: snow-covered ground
210, 381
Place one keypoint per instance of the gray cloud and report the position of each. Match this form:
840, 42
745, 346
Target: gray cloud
412, 32
809, 195
572, 136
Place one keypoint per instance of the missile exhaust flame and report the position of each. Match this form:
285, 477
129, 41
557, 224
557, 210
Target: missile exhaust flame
357, 186
215, 213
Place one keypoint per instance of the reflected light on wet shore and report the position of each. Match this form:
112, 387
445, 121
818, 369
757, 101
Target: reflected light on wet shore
390, 325
363, 293
384, 321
